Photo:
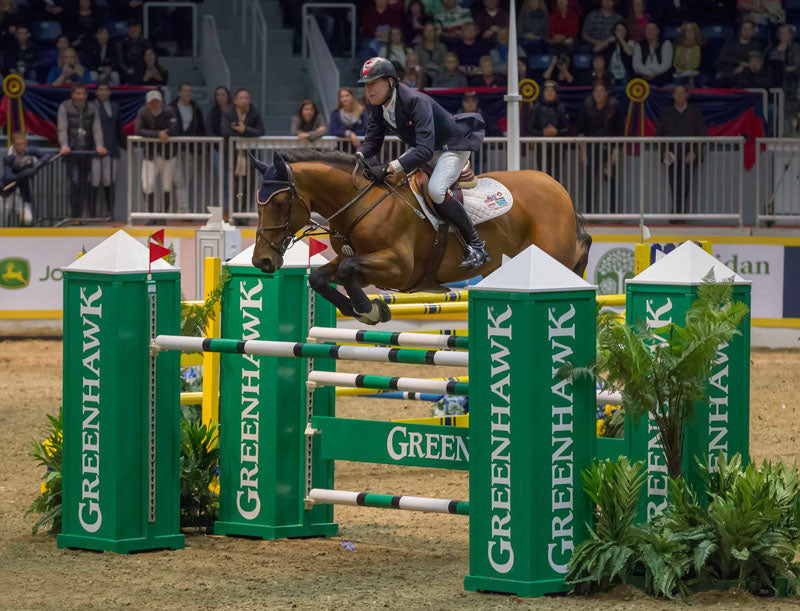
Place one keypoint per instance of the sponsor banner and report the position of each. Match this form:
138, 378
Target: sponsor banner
30, 270
611, 263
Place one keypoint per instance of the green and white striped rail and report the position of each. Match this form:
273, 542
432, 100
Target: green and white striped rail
319, 496
360, 336
312, 351
354, 380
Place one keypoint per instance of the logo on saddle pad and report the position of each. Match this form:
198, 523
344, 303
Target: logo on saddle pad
493, 201
15, 273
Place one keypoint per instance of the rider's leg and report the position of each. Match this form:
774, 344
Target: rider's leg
448, 167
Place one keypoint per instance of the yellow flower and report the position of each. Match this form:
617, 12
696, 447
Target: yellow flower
213, 486
43, 488
601, 427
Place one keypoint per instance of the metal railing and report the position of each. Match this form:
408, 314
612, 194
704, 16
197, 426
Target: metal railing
322, 68
253, 14
215, 69
327, 6
175, 180
186, 6
619, 179
49, 198
778, 180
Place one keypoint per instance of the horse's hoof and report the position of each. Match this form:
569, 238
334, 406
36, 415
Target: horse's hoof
379, 312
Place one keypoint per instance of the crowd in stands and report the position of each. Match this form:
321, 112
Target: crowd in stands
64, 42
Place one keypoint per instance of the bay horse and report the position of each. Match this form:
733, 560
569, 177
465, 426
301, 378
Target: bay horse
380, 240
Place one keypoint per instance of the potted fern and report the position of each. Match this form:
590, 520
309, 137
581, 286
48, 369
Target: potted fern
662, 373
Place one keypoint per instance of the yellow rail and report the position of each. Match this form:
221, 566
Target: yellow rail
460, 421
192, 398
394, 298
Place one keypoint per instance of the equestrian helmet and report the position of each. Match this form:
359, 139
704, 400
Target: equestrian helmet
375, 68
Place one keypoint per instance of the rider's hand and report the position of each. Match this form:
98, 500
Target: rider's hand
378, 172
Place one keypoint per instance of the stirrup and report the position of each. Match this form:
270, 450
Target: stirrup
475, 255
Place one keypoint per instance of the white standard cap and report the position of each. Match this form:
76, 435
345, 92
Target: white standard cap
153, 95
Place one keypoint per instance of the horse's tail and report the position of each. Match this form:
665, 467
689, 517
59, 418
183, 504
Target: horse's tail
583, 244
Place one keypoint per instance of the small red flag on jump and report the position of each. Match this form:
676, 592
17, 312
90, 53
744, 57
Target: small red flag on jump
315, 246
156, 245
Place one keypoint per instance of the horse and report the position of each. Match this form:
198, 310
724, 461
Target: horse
381, 238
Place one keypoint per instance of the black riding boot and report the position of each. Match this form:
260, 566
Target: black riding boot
109, 193
475, 253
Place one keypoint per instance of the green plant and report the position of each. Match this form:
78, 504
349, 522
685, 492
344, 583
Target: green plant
607, 556
194, 318
199, 468
664, 371
48, 453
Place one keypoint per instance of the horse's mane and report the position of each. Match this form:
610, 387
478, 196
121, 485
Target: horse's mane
336, 158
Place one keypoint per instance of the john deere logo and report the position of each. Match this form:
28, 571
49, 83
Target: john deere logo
14, 273
613, 268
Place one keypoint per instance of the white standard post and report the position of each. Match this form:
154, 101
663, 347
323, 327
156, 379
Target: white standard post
512, 98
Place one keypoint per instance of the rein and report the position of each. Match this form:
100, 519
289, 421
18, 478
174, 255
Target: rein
288, 185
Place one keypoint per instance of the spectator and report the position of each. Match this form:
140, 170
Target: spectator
431, 51
451, 77
734, 57
129, 9
563, 28
784, 62
600, 117
54, 55
104, 169
599, 72
412, 72
242, 119
70, 70
81, 20
499, 54
151, 72
19, 166
486, 77
452, 18
620, 63
532, 25
414, 22
190, 123
348, 119
23, 57
130, 52
549, 117
100, 59
490, 19
687, 54
469, 48
652, 59
376, 22
187, 112
9, 19
79, 132
675, 12
308, 125
395, 50
222, 102
157, 121
52, 10
683, 121
637, 20
761, 11
563, 73
755, 75
598, 28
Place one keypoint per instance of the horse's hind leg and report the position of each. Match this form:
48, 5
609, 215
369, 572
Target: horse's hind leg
320, 280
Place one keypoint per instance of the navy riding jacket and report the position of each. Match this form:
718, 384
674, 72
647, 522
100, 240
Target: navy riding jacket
423, 125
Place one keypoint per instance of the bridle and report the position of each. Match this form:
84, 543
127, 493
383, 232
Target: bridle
288, 238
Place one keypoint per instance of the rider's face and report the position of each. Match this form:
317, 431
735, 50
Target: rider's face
377, 91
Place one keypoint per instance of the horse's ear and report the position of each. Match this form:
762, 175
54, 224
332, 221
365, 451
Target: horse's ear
281, 168
260, 165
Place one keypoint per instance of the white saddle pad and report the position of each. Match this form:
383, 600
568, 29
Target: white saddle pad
488, 200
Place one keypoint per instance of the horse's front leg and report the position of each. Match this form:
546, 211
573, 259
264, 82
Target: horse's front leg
383, 268
321, 280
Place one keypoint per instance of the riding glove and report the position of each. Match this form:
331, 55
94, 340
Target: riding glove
378, 172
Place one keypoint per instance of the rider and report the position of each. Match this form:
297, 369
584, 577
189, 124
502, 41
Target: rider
433, 135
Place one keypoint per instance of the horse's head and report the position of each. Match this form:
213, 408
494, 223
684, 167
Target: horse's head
281, 213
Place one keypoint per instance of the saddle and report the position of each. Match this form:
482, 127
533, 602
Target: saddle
465, 180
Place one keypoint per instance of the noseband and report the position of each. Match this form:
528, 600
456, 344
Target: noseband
288, 239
